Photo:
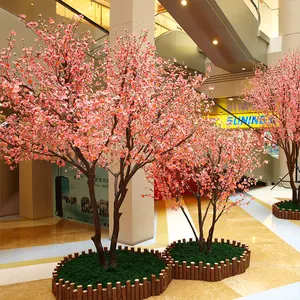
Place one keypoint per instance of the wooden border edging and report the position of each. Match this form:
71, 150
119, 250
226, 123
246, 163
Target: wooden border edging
137, 290
154, 286
207, 272
283, 213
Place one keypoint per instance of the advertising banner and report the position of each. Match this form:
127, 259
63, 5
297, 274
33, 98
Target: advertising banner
255, 120
72, 199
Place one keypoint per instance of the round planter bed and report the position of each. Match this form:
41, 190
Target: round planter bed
286, 210
227, 258
139, 275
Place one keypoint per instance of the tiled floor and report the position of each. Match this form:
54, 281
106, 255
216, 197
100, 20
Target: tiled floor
30, 233
275, 261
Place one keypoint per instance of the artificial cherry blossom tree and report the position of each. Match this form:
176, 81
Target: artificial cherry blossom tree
275, 92
213, 163
120, 113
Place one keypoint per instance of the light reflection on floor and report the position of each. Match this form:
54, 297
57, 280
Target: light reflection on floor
275, 260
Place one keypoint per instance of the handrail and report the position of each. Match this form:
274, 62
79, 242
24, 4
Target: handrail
257, 11
165, 27
99, 39
156, 23
63, 3
75, 11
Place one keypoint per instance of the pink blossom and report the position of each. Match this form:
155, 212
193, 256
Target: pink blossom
275, 93
122, 113
213, 164
51, 21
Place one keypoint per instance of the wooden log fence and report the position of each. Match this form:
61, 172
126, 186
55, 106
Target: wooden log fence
144, 288
139, 289
208, 272
283, 213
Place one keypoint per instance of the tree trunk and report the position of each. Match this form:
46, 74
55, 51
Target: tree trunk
291, 164
116, 228
201, 234
189, 221
291, 169
211, 230
97, 237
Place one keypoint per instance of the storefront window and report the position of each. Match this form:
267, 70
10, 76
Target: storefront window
71, 196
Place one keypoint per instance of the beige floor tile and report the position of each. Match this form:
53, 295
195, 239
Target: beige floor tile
274, 263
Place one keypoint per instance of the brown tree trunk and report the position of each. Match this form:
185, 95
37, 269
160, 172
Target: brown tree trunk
291, 169
97, 237
116, 227
211, 230
291, 159
189, 221
200, 224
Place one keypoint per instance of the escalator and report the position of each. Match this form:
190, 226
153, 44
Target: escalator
171, 41
181, 32
240, 44
59, 10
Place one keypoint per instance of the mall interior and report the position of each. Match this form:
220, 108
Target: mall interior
230, 37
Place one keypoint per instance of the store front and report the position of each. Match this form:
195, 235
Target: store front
71, 195
244, 117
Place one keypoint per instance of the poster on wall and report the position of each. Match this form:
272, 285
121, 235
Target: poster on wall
72, 199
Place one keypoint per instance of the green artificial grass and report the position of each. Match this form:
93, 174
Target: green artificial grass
85, 269
288, 205
190, 252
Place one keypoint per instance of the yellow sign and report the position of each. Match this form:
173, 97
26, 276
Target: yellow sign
235, 106
254, 120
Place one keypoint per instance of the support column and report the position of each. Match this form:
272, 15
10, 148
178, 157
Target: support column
9, 187
289, 30
289, 24
137, 220
35, 189
133, 16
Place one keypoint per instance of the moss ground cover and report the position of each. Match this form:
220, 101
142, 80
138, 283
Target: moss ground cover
190, 252
289, 205
85, 269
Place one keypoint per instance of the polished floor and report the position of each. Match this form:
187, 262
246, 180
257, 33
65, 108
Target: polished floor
29, 250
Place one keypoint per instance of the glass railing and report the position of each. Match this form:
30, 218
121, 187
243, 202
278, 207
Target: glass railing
50, 8
253, 6
97, 11
65, 10
96, 14
58, 10
267, 17
269, 20
164, 22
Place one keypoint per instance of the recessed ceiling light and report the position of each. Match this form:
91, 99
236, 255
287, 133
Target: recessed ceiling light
183, 2
215, 42
31, 3
91, 7
230, 99
243, 69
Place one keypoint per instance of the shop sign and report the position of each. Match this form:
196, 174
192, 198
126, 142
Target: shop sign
254, 120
